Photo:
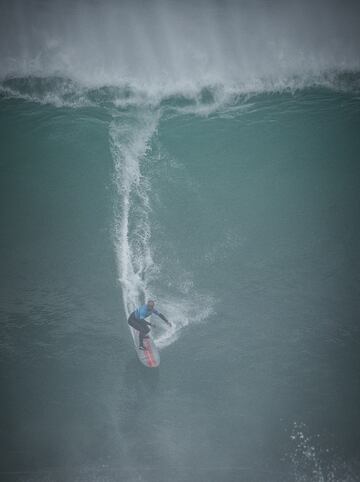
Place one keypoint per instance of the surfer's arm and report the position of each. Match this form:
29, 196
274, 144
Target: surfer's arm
160, 315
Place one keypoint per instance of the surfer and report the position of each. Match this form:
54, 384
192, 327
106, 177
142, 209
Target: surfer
137, 320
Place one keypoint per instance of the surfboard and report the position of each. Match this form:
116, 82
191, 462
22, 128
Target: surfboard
150, 357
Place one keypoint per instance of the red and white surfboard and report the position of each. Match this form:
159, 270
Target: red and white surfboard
150, 357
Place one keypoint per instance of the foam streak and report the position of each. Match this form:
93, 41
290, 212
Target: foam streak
130, 139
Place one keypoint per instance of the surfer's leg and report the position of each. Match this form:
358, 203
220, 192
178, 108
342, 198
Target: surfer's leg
143, 331
138, 325
141, 339
132, 321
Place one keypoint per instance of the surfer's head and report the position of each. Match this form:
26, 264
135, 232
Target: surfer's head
151, 304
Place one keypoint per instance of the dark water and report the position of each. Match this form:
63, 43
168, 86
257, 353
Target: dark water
253, 255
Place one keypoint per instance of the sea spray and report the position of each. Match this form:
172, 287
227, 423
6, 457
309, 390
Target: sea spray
168, 48
130, 139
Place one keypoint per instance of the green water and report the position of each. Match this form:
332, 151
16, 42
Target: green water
243, 224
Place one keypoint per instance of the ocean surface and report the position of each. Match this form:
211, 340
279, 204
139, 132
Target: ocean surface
223, 181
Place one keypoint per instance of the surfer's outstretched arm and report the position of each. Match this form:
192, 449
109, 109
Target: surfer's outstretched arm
160, 315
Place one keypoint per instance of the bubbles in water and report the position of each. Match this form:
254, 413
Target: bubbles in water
311, 462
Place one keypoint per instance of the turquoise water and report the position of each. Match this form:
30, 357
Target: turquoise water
243, 224
220, 180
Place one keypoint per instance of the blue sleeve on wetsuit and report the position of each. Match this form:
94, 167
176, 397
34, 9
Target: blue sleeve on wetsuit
143, 312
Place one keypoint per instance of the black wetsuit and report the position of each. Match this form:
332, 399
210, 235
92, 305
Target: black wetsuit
141, 325
137, 321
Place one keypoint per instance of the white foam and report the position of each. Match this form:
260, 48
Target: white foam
55, 92
183, 311
130, 138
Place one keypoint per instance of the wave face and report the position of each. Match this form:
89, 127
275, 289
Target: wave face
242, 215
142, 62
171, 47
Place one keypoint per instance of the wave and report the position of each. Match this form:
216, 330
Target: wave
202, 100
141, 61
134, 117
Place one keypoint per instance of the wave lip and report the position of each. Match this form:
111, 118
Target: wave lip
200, 99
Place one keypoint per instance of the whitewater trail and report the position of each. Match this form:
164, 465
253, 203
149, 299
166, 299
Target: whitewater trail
131, 137
130, 140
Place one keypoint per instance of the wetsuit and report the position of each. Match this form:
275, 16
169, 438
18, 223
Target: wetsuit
137, 321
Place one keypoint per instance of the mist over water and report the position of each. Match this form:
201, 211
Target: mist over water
178, 47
